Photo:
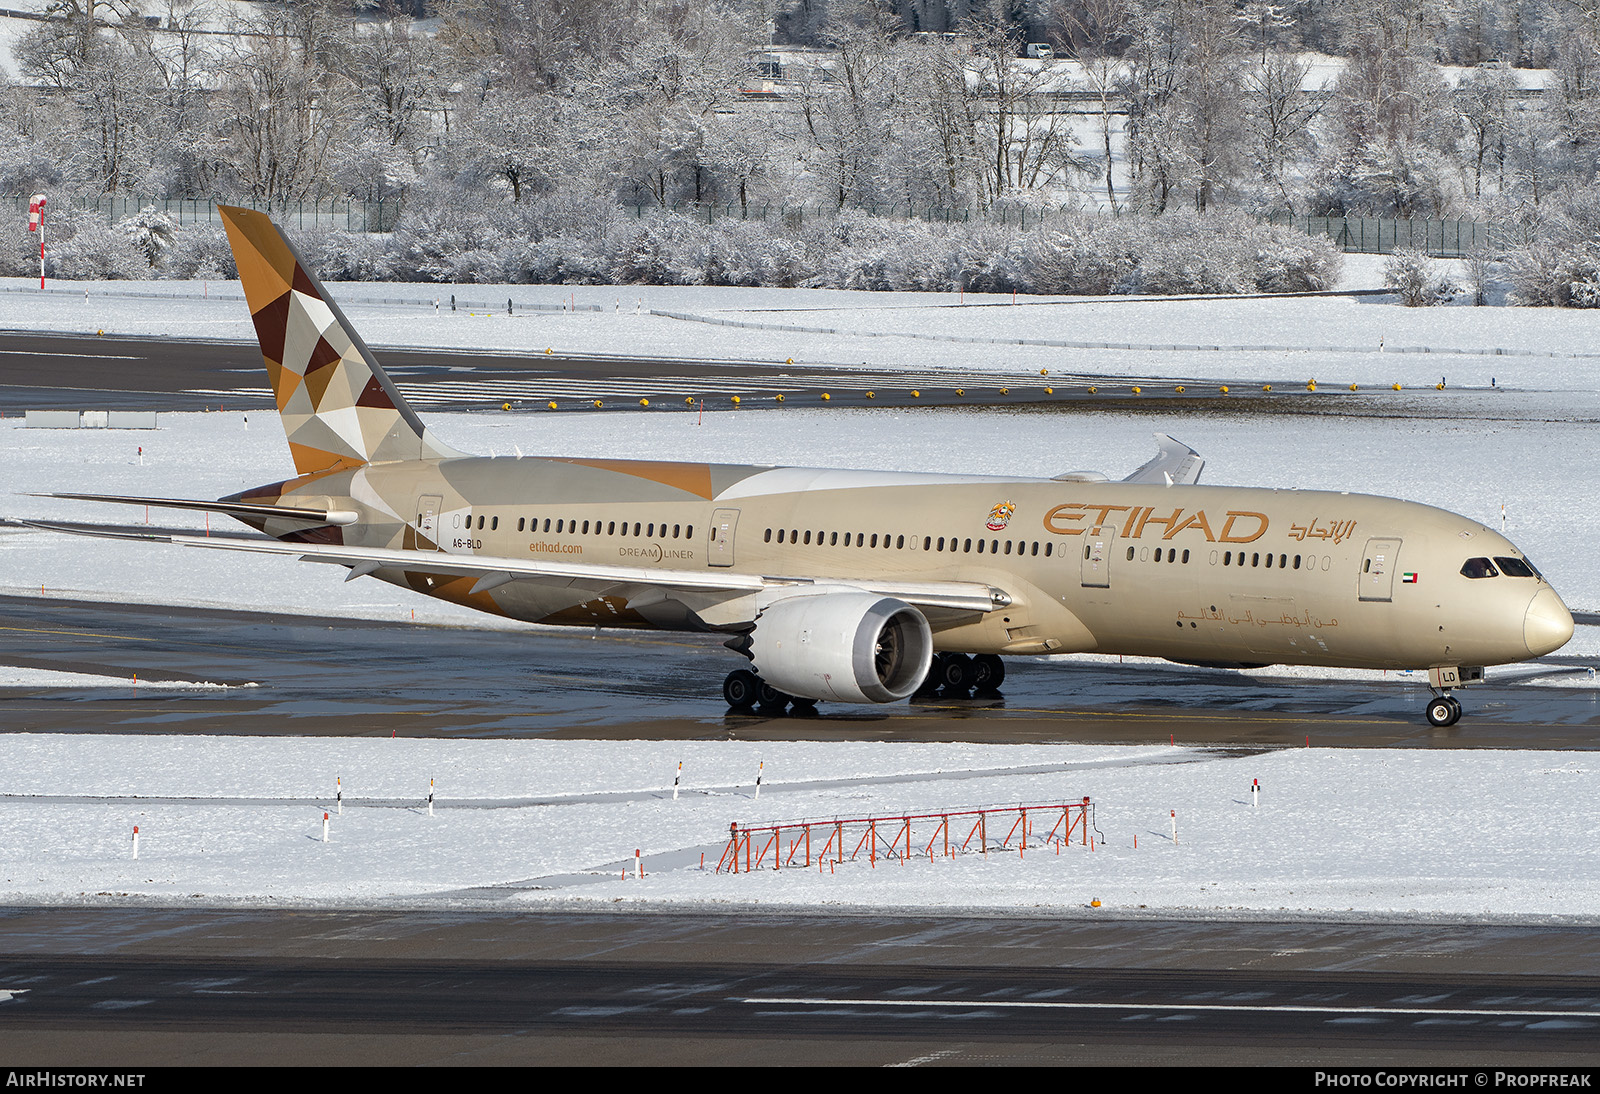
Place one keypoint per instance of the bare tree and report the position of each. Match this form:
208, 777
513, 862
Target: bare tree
1483, 99
284, 113
1280, 112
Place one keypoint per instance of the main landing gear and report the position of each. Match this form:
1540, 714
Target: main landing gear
958, 673
1444, 710
746, 692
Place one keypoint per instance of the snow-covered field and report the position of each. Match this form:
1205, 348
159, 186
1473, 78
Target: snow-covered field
1369, 341
1346, 832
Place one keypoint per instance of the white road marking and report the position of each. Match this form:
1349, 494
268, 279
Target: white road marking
1251, 1008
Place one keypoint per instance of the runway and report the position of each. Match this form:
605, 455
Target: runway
46, 371
314, 676
88, 986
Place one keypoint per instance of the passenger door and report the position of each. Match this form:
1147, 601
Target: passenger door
1378, 565
1098, 545
724, 522
428, 515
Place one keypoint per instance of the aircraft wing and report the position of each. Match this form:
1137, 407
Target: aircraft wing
1175, 464
956, 595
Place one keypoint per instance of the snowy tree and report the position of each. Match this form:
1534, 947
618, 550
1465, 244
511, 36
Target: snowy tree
1416, 279
514, 138
1390, 125
1185, 128
1022, 144
283, 116
151, 232
1483, 99
1280, 114
1095, 32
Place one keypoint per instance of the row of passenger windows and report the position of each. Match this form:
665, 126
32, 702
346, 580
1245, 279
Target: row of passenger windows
1229, 558
898, 543
561, 525
1478, 567
1006, 546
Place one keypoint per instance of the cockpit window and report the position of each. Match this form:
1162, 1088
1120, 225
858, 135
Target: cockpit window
1479, 567
1515, 567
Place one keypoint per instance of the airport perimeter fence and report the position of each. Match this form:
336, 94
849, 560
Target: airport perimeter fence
339, 215
1378, 236
1355, 235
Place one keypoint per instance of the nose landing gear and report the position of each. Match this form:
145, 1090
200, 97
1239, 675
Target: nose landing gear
1444, 710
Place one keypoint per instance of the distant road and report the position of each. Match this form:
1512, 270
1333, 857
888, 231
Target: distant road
87, 372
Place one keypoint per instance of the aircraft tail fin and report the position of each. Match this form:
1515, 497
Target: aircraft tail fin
339, 408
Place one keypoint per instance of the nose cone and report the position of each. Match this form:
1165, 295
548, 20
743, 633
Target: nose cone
1548, 624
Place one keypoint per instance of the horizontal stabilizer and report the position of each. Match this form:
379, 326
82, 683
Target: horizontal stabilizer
230, 508
1175, 464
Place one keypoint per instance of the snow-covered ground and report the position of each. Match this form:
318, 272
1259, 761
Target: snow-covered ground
1347, 832
1369, 341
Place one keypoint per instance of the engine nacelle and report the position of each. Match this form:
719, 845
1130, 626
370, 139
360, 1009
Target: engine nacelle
842, 643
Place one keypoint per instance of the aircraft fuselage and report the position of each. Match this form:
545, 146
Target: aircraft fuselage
1206, 574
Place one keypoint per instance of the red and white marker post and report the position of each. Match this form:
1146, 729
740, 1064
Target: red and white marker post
136, 841
36, 224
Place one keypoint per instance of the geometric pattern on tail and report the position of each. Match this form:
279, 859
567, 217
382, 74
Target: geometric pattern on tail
338, 407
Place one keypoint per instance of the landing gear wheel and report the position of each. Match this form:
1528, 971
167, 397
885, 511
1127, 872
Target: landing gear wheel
988, 672
772, 701
1444, 710
742, 689
803, 707
954, 672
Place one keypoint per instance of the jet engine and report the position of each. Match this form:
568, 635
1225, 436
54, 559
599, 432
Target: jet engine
843, 644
